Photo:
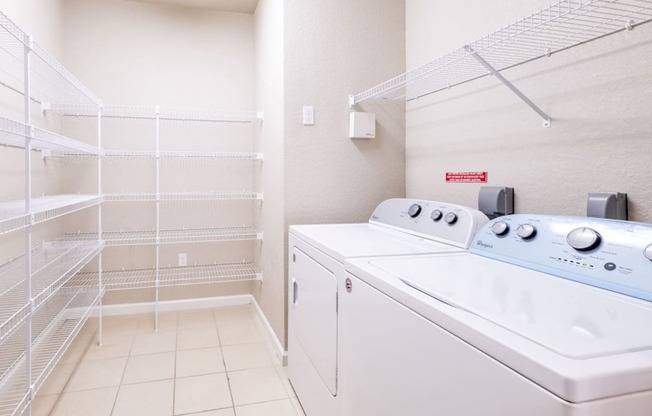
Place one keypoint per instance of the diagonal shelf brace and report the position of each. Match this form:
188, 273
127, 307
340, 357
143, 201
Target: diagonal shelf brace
492, 70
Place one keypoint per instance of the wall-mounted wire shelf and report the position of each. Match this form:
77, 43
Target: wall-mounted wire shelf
186, 155
563, 25
50, 81
182, 236
172, 155
13, 134
155, 112
53, 342
53, 264
183, 196
171, 276
13, 217
54, 328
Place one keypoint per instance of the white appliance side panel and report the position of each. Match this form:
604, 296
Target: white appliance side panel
313, 306
395, 362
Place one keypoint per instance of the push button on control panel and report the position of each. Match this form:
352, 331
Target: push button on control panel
583, 239
500, 228
436, 215
414, 211
526, 231
610, 266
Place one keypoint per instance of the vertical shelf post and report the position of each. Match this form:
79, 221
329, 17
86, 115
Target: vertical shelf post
100, 339
28, 229
158, 214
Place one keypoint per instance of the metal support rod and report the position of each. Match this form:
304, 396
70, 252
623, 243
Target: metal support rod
100, 338
498, 75
158, 213
28, 230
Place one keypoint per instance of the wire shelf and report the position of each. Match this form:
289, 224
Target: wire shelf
566, 24
183, 155
54, 327
53, 264
13, 217
62, 329
51, 81
13, 134
183, 196
154, 112
171, 276
182, 236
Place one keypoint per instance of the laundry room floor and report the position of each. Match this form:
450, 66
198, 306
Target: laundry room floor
209, 362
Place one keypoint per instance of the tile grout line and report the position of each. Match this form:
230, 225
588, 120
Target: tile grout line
226, 371
124, 371
176, 351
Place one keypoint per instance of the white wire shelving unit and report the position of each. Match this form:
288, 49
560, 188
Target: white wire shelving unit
564, 25
40, 311
159, 276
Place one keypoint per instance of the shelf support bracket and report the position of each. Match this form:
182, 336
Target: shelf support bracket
526, 100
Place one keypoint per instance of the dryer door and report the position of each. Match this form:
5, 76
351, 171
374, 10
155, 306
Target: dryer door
313, 306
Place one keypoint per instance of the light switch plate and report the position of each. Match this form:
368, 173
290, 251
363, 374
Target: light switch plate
308, 115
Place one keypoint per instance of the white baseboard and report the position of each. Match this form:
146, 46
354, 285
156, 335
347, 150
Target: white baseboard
201, 303
281, 353
173, 305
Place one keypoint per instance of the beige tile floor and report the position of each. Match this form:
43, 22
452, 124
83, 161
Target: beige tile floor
209, 362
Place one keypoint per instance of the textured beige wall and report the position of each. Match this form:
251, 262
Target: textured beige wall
333, 49
317, 53
598, 95
270, 135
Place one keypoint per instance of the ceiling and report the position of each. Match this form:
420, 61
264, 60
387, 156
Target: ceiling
238, 6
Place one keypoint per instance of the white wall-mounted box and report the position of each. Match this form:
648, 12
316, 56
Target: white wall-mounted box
362, 125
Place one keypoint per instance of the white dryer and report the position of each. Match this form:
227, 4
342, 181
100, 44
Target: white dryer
544, 316
317, 280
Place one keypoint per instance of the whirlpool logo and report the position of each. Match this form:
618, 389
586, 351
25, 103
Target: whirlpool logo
483, 244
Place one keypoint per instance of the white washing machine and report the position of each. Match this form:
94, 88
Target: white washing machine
317, 281
543, 316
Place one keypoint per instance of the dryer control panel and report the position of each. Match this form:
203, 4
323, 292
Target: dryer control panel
614, 255
448, 223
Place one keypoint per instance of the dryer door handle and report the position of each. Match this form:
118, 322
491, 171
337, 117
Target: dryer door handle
295, 292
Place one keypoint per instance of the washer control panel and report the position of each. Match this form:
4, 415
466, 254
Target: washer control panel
448, 223
614, 255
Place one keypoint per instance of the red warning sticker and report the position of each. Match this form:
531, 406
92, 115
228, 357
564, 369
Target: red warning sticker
466, 176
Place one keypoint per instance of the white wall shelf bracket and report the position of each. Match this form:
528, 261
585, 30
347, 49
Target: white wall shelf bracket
546, 118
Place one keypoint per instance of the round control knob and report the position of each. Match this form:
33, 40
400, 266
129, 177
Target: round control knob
414, 211
451, 218
436, 215
648, 252
583, 239
500, 228
526, 231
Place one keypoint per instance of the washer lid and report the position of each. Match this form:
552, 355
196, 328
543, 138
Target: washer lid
342, 241
571, 319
